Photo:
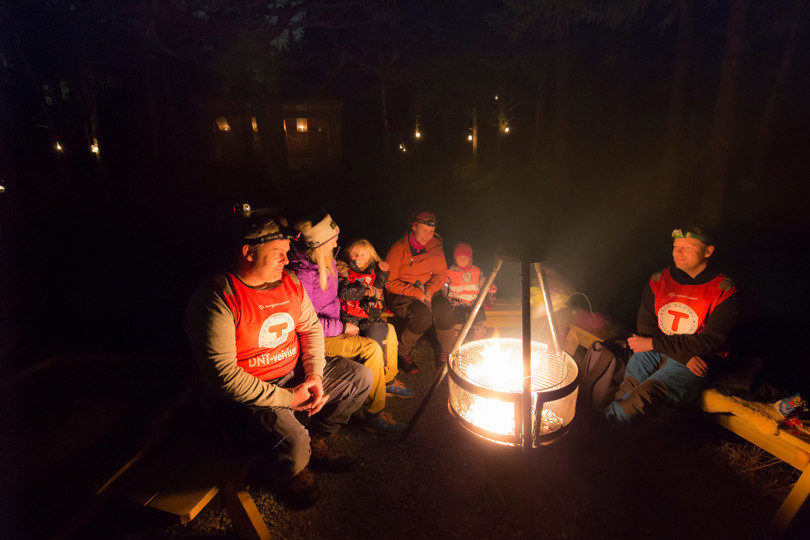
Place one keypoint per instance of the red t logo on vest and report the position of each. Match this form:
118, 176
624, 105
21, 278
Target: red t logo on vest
677, 318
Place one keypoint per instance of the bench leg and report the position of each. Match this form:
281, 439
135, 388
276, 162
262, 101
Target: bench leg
247, 520
792, 503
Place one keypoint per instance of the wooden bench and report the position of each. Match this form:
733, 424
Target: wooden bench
761, 424
758, 423
196, 466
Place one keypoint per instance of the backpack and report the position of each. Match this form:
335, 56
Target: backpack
601, 370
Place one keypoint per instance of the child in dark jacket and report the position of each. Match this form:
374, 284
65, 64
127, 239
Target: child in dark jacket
360, 289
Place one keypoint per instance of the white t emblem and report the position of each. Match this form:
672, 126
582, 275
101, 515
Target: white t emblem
677, 318
275, 330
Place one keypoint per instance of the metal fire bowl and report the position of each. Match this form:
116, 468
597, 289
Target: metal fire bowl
554, 382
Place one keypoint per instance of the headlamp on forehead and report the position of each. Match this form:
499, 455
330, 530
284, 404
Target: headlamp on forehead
678, 233
284, 234
430, 221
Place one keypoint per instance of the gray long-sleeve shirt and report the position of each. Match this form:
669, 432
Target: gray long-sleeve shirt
211, 329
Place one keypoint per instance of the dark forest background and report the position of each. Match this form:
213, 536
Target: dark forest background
626, 119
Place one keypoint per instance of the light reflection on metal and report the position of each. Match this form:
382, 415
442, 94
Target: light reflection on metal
94, 146
254, 124
59, 147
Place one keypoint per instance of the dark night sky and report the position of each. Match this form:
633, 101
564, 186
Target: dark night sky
588, 102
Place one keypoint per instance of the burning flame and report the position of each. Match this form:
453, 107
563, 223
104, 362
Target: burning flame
499, 368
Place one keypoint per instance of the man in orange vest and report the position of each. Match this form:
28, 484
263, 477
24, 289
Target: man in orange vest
259, 347
686, 313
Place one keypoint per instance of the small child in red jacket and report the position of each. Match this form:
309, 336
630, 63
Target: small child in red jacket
465, 282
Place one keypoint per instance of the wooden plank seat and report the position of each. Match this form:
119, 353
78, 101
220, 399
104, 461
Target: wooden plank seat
198, 464
761, 424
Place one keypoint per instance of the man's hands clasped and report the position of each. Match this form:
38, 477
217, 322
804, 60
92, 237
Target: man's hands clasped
308, 396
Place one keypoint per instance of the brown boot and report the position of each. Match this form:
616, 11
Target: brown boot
326, 457
303, 489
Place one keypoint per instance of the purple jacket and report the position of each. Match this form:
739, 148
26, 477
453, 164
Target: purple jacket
326, 303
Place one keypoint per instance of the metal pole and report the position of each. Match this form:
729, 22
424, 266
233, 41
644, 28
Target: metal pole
461, 335
526, 335
555, 335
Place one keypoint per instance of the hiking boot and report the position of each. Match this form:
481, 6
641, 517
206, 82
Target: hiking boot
407, 365
303, 489
399, 390
326, 457
383, 423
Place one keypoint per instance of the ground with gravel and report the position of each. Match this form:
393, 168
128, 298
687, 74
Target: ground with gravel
666, 480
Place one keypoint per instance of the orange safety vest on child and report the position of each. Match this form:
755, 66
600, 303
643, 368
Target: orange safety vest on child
464, 284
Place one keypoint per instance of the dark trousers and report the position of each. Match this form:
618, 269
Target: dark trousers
418, 317
277, 431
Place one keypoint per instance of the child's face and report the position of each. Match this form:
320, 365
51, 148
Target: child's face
463, 261
360, 258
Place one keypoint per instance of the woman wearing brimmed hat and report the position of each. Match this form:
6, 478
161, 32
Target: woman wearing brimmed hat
312, 259
413, 292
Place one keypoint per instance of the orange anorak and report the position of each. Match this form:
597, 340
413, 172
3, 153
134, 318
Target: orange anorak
428, 268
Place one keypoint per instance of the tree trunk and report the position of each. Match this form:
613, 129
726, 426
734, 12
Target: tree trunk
672, 159
561, 70
711, 207
766, 126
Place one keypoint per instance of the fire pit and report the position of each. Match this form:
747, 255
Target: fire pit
516, 392
486, 391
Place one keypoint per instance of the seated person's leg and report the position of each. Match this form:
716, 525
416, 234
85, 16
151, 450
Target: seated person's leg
445, 320
639, 367
682, 385
289, 440
348, 384
385, 334
639, 393
377, 331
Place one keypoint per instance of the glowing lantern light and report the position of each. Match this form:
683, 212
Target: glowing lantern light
222, 124
301, 125
94, 146
254, 125
469, 137
59, 147
506, 129
417, 134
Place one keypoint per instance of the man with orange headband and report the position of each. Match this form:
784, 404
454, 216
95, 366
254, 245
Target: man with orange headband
686, 314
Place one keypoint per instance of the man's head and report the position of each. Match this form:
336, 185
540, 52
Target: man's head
264, 243
691, 250
423, 227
